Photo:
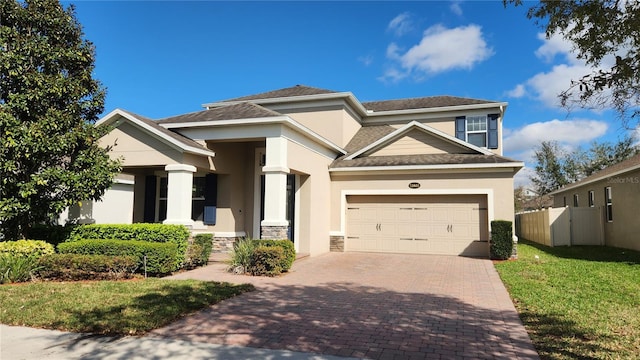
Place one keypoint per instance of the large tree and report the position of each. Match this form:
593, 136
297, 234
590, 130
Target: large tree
606, 35
550, 169
49, 102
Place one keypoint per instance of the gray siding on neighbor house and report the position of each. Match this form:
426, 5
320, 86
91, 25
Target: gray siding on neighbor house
624, 229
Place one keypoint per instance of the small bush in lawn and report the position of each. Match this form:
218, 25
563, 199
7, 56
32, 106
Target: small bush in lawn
501, 245
73, 267
17, 268
160, 257
199, 250
288, 249
241, 255
26, 248
266, 260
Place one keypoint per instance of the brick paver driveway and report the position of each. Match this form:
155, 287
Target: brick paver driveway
379, 306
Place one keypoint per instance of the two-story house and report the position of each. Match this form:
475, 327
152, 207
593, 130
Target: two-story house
319, 167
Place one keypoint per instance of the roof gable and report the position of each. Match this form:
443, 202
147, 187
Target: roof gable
174, 139
431, 132
418, 142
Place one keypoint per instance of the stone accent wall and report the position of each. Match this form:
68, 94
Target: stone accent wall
274, 232
514, 251
337, 243
223, 244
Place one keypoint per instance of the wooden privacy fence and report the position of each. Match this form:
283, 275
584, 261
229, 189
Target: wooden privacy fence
562, 226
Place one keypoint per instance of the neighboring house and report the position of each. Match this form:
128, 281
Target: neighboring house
319, 167
616, 190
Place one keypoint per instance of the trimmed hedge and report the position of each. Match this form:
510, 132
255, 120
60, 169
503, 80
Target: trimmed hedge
289, 251
73, 267
53, 234
501, 245
26, 248
160, 233
266, 260
198, 251
161, 257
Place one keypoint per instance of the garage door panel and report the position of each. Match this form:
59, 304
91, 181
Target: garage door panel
439, 224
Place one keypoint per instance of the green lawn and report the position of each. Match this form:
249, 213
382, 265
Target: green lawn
109, 307
580, 302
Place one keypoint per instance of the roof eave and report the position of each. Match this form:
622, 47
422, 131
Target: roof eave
595, 179
512, 165
501, 105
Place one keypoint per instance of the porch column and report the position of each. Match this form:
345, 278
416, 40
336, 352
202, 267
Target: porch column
179, 189
275, 224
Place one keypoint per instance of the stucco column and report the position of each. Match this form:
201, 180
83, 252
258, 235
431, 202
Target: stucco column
275, 224
179, 189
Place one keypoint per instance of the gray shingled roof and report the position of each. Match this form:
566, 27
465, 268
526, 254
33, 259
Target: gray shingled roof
423, 159
631, 162
298, 90
422, 103
183, 139
231, 112
367, 135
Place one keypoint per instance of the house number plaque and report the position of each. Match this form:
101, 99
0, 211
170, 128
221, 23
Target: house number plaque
414, 185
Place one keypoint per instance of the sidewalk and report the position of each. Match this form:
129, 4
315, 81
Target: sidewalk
21, 343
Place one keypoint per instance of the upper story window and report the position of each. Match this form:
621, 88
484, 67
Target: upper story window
478, 130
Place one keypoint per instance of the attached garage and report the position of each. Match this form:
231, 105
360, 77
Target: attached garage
418, 224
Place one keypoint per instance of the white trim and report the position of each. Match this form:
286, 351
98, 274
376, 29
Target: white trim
111, 117
410, 126
228, 234
276, 169
282, 120
180, 167
438, 109
345, 193
596, 179
517, 164
124, 182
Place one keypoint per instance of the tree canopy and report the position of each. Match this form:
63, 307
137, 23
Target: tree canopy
49, 101
606, 35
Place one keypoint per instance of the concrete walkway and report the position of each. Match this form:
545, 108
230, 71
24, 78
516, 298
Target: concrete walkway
378, 306
21, 343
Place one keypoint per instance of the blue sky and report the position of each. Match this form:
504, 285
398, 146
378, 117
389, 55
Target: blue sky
165, 58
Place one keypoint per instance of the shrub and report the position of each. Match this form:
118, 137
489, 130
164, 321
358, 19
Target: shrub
266, 260
501, 245
199, 250
73, 267
26, 248
160, 256
17, 268
241, 255
53, 234
160, 233
288, 249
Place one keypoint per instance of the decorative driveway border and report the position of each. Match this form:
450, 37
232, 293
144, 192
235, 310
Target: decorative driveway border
365, 305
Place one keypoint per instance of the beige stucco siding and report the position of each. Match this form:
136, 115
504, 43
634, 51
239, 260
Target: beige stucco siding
334, 123
420, 142
625, 194
498, 186
313, 197
138, 148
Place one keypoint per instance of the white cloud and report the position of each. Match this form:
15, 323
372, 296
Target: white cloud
401, 24
517, 92
442, 49
523, 177
554, 46
455, 7
366, 60
568, 133
392, 75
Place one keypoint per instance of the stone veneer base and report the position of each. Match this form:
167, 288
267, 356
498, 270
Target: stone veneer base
274, 232
336, 243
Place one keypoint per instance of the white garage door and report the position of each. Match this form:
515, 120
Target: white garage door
423, 224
